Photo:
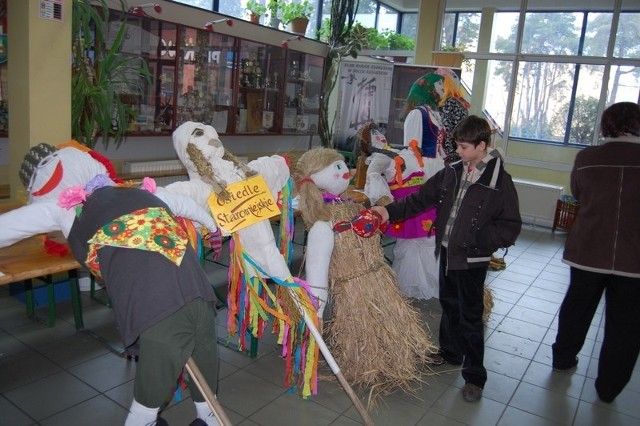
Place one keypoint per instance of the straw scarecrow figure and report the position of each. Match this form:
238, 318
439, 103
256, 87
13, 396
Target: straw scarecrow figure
376, 336
255, 256
132, 239
394, 172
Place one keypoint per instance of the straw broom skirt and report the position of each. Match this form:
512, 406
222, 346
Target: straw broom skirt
376, 336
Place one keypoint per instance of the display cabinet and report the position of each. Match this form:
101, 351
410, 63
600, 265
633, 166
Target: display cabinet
238, 86
301, 110
162, 65
153, 42
261, 71
205, 79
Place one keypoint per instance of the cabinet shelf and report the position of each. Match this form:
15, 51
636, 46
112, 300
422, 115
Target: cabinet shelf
236, 85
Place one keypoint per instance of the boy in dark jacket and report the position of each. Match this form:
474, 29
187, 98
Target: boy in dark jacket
478, 213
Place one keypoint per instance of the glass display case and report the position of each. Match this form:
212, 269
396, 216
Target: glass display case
261, 77
162, 65
154, 43
205, 79
301, 111
238, 86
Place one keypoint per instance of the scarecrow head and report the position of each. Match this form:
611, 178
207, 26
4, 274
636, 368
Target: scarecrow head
322, 171
46, 170
204, 137
427, 91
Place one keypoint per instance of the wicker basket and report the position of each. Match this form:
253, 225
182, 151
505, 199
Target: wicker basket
565, 215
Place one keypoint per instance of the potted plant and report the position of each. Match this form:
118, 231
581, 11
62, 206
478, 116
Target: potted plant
450, 56
256, 10
297, 15
102, 85
274, 13
399, 41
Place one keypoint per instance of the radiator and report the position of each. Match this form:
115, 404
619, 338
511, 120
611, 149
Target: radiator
537, 201
158, 166
163, 171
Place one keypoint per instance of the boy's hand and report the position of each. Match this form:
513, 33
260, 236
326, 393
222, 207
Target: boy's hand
382, 212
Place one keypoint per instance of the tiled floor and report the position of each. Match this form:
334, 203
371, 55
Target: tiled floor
58, 376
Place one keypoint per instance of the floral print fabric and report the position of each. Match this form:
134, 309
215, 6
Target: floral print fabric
151, 229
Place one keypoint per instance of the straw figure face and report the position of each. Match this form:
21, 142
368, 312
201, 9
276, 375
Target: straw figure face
204, 138
62, 169
427, 91
333, 179
321, 171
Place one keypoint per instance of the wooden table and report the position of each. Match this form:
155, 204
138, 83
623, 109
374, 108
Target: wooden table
27, 260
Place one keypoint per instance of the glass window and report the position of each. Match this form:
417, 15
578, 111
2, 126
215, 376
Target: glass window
366, 14
552, 33
448, 29
503, 35
624, 84
202, 4
387, 19
577, 117
467, 31
596, 37
627, 38
542, 87
409, 24
499, 80
233, 8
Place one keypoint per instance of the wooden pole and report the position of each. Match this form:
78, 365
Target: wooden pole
205, 390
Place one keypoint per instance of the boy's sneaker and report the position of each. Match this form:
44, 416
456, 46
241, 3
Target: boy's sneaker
438, 359
471, 392
560, 367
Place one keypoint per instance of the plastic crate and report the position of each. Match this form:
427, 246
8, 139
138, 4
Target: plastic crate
566, 212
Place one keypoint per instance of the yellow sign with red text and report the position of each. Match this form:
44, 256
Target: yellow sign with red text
249, 202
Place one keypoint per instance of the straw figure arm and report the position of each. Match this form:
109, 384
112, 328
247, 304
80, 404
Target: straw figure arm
274, 169
187, 207
32, 219
376, 186
320, 241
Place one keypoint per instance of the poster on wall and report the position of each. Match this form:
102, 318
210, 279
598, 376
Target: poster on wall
365, 92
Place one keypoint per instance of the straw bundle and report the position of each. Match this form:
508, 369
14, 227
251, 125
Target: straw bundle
377, 337
488, 304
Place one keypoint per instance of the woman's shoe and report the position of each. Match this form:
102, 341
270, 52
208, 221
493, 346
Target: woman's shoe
560, 367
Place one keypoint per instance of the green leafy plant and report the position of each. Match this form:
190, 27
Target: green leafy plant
399, 41
386, 40
102, 84
256, 8
291, 11
274, 8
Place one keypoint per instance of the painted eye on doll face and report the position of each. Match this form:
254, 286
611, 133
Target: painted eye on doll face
342, 171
